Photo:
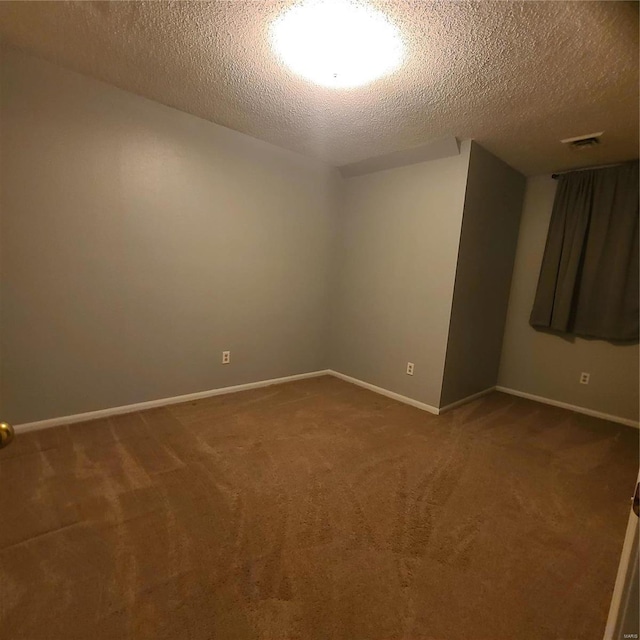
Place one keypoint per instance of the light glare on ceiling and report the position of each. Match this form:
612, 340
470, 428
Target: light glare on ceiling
337, 43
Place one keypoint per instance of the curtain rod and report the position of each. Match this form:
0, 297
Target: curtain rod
555, 176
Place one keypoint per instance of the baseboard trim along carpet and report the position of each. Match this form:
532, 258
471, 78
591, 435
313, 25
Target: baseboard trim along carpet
162, 402
385, 392
474, 396
130, 408
572, 407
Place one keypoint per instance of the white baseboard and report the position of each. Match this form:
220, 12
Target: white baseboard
162, 402
473, 396
384, 392
572, 407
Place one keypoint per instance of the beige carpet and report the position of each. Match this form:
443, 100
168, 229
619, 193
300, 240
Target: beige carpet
315, 510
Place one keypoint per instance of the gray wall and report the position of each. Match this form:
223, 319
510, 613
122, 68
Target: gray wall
397, 259
492, 207
138, 242
548, 365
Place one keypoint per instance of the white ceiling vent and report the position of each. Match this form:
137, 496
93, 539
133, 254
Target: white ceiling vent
583, 142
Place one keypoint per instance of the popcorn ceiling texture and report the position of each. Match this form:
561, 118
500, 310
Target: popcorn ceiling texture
515, 76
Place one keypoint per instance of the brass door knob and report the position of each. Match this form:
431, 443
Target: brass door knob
6, 434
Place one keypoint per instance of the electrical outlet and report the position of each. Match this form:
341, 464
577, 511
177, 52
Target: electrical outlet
584, 378
409, 368
226, 357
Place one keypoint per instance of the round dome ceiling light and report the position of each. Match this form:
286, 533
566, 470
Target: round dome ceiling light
337, 43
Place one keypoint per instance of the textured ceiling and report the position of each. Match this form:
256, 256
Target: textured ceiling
515, 76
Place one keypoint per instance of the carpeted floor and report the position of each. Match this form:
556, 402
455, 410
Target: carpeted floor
315, 510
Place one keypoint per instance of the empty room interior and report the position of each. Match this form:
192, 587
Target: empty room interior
319, 320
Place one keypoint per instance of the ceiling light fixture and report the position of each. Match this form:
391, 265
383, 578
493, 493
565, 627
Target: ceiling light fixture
337, 43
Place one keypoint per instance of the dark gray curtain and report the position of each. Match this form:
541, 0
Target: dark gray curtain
588, 284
